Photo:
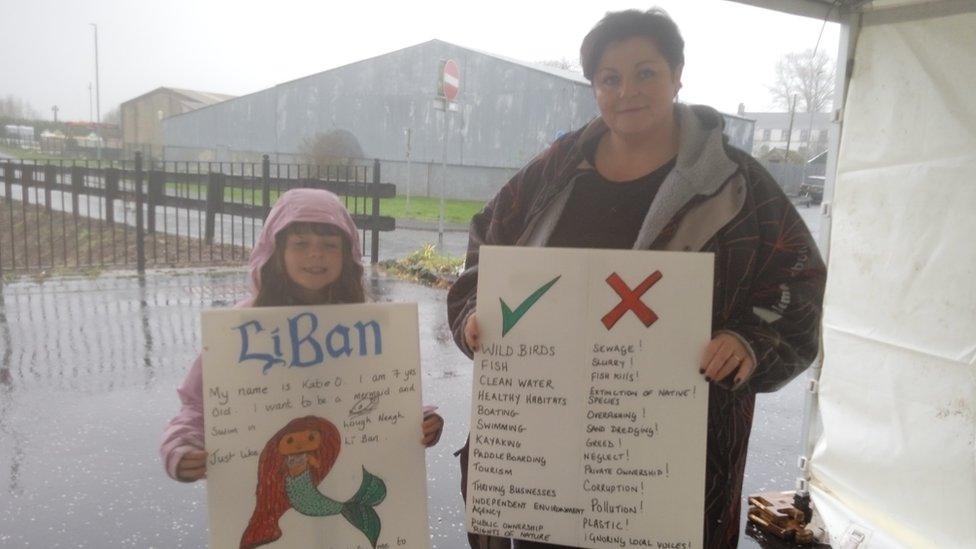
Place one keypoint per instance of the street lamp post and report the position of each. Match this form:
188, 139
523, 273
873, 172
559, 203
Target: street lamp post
98, 109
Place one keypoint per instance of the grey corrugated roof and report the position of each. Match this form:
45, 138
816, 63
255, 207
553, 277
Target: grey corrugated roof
574, 77
561, 73
196, 98
206, 98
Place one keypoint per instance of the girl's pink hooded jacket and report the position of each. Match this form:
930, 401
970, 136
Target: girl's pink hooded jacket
185, 431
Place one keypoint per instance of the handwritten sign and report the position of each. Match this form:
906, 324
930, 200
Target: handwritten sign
313, 427
588, 412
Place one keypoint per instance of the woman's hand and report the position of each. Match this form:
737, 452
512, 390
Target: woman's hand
192, 466
724, 356
471, 333
433, 426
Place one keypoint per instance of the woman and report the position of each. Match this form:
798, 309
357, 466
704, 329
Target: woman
653, 174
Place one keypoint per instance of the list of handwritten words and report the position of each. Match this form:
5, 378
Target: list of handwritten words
586, 436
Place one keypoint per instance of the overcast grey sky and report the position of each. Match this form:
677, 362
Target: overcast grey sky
242, 46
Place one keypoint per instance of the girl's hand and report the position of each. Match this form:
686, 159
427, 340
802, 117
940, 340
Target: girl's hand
471, 333
192, 466
433, 426
724, 356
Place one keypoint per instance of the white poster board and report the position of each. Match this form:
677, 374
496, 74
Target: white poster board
588, 414
313, 427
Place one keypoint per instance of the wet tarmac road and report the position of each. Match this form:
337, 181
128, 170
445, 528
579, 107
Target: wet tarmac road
88, 371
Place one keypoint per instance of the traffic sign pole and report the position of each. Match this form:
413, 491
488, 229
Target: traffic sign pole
449, 85
440, 217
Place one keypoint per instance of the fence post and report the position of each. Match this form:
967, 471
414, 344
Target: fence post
3, 175
266, 184
140, 227
50, 177
26, 182
374, 245
215, 198
8, 180
77, 186
157, 185
111, 191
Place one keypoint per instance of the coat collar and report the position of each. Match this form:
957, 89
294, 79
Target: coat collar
701, 168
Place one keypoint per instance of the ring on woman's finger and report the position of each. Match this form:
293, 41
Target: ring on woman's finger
738, 359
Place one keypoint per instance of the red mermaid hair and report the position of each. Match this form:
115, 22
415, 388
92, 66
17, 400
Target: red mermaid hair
272, 502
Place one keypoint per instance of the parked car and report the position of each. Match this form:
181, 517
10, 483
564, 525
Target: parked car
812, 189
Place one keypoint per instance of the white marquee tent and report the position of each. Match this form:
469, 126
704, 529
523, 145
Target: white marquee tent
892, 460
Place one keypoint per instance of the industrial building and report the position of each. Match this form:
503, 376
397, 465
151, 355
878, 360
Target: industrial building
141, 117
386, 107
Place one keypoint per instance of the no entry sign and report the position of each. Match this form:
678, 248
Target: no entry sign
450, 79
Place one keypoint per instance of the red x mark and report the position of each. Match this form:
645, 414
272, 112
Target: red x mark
630, 300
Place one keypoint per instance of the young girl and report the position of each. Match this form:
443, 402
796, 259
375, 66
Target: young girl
307, 254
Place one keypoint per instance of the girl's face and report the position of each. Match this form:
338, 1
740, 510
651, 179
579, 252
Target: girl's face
313, 262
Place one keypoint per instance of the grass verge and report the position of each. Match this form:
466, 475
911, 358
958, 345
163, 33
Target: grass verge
420, 208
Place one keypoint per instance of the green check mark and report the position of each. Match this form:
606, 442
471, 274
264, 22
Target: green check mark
510, 317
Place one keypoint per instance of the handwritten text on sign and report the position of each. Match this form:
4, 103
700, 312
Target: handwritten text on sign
588, 413
312, 419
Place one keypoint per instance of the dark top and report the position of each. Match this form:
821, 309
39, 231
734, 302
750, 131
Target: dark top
606, 214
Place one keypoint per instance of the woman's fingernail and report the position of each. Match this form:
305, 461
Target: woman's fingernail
708, 379
701, 370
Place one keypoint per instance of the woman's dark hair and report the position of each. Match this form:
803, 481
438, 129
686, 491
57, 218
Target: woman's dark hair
278, 289
654, 24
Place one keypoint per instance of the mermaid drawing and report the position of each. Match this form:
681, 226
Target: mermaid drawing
290, 468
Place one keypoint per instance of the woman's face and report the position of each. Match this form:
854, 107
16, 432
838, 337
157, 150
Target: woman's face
635, 87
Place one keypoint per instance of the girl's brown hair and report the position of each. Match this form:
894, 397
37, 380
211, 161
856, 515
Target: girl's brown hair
278, 289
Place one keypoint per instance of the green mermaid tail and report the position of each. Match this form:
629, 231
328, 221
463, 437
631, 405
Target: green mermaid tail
358, 510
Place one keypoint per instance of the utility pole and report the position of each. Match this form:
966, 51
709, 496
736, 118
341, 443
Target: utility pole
54, 109
409, 132
91, 104
440, 215
98, 105
789, 133
449, 83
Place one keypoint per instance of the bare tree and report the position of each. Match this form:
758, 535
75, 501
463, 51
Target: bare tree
111, 117
335, 148
14, 107
807, 75
563, 63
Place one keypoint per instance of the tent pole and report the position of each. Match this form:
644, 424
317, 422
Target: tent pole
850, 27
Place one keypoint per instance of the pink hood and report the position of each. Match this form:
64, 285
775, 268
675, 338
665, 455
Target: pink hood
309, 205
185, 431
